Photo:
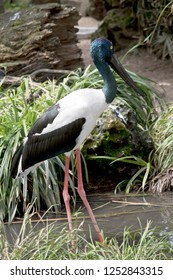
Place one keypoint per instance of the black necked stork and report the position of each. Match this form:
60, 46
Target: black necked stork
64, 126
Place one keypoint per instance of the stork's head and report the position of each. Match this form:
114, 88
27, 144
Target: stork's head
102, 51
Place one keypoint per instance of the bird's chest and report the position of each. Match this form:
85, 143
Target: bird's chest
93, 106
87, 103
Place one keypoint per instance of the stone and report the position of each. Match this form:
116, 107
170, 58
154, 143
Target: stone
40, 37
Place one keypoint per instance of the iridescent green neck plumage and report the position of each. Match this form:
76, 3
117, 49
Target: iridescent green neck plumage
110, 86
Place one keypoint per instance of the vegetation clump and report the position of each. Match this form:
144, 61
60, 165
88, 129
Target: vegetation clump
54, 243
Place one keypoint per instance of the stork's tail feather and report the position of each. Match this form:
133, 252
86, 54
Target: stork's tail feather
15, 161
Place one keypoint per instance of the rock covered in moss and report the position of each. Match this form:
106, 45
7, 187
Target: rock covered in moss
116, 135
119, 21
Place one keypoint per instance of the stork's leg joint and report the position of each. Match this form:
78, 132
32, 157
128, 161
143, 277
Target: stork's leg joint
66, 196
81, 193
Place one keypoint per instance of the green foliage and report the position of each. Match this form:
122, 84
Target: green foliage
162, 132
145, 107
155, 19
16, 5
139, 178
54, 243
162, 158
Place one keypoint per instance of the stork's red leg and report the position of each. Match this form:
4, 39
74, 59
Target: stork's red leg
82, 194
66, 196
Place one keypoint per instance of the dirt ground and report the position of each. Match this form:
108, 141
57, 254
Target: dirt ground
141, 62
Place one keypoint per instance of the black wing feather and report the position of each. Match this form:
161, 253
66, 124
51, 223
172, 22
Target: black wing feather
15, 161
46, 118
45, 146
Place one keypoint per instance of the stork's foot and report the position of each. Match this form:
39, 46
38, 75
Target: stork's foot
100, 238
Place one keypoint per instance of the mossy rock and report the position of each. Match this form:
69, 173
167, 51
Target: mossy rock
118, 26
108, 135
114, 138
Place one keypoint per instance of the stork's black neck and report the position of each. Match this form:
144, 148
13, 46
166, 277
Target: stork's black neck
110, 86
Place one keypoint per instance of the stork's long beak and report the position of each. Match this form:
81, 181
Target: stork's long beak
117, 66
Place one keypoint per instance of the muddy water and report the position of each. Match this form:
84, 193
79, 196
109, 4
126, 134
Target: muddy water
113, 213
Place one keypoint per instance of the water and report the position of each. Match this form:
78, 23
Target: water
113, 213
